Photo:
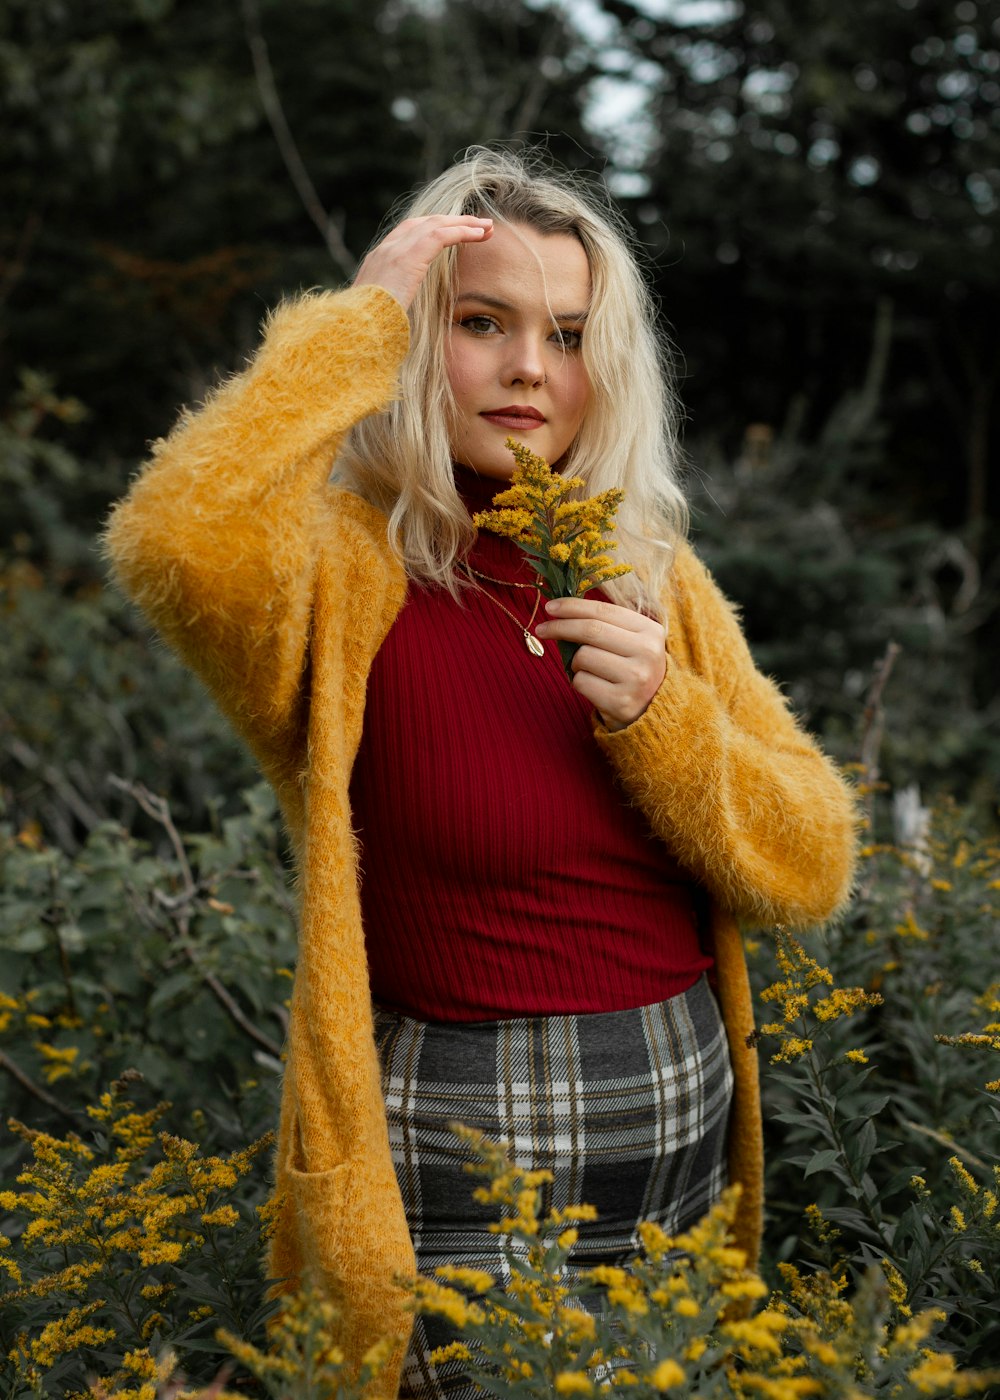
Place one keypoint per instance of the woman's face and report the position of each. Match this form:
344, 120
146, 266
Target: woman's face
513, 354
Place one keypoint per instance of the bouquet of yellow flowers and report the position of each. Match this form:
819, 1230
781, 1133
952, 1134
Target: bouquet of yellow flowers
565, 539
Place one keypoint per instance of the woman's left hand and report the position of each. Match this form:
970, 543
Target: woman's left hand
622, 657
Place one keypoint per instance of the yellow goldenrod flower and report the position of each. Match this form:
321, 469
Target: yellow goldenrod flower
573, 1383
744, 1288
963, 1177
897, 1288
454, 1351
844, 1001
476, 1279
935, 1372
141, 1363
566, 540
655, 1240
68, 1333
667, 1373
223, 1216
909, 928
448, 1303
856, 1057
958, 1220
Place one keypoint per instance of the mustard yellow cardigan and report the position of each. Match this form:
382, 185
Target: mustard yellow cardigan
278, 589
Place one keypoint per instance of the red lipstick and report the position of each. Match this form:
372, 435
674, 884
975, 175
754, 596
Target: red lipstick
517, 416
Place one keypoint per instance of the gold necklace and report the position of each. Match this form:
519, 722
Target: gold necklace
534, 644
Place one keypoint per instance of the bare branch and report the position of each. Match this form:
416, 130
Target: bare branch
294, 164
159, 809
15, 1071
229, 1005
22, 751
873, 725
181, 906
952, 1147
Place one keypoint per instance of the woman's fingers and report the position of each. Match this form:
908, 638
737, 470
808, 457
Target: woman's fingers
399, 263
605, 626
622, 657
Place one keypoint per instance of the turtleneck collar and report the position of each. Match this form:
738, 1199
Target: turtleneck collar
493, 554
475, 490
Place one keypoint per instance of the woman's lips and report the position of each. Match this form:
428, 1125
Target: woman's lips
518, 419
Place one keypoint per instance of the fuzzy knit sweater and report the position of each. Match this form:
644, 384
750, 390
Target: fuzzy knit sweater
278, 589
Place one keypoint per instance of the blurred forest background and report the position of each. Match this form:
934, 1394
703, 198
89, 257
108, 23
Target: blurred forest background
818, 190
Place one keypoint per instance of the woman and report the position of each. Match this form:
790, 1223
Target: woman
536, 883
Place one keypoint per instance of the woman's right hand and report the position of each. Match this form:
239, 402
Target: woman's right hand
400, 262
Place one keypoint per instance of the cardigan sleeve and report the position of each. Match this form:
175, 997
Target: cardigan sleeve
728, 779
217, 538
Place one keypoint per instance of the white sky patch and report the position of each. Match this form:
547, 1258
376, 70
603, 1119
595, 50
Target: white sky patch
617, 111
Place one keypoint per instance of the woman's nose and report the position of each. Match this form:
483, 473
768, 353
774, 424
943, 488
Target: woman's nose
525, 363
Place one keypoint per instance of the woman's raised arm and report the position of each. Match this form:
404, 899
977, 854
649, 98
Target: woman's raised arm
216, 539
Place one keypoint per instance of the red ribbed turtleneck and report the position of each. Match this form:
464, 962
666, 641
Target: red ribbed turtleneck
502, 872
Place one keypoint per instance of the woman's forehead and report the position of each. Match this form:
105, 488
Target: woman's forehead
519, 266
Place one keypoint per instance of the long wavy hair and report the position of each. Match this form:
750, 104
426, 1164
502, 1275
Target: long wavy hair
400, 460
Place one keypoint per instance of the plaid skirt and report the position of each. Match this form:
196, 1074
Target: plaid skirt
627, 1109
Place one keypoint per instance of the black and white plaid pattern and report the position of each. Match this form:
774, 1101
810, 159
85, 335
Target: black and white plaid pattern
627, 1109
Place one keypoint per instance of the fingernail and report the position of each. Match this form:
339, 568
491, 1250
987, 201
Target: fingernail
552, 605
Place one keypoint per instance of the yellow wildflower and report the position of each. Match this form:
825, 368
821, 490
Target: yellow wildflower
909, 928
67, 1333
222, 1216
935, 1372
958, 1220
686, 1307
963, 1177
897, 1288
758, 1333
141, 1363
577, 1213
667, 1373
447, 1302
792, 1049
573, 1383
744, 1288
566, 539
820, 1226
856, 1057
844, 1001
655, 1240
454, 1351
476, 1279
160, 1252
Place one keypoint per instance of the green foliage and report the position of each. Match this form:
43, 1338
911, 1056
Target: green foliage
824, 593
119, 958
891, 1121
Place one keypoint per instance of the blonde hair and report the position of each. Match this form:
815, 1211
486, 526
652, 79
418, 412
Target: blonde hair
400, 459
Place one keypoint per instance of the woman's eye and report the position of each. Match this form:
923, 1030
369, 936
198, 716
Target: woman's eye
479, 325
569, 340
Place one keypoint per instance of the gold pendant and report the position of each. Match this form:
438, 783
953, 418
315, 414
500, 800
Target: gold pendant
534, 644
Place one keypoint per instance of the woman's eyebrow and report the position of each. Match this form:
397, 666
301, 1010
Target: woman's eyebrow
499, 305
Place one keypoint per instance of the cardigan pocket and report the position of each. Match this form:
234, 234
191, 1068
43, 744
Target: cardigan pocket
318, 1202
